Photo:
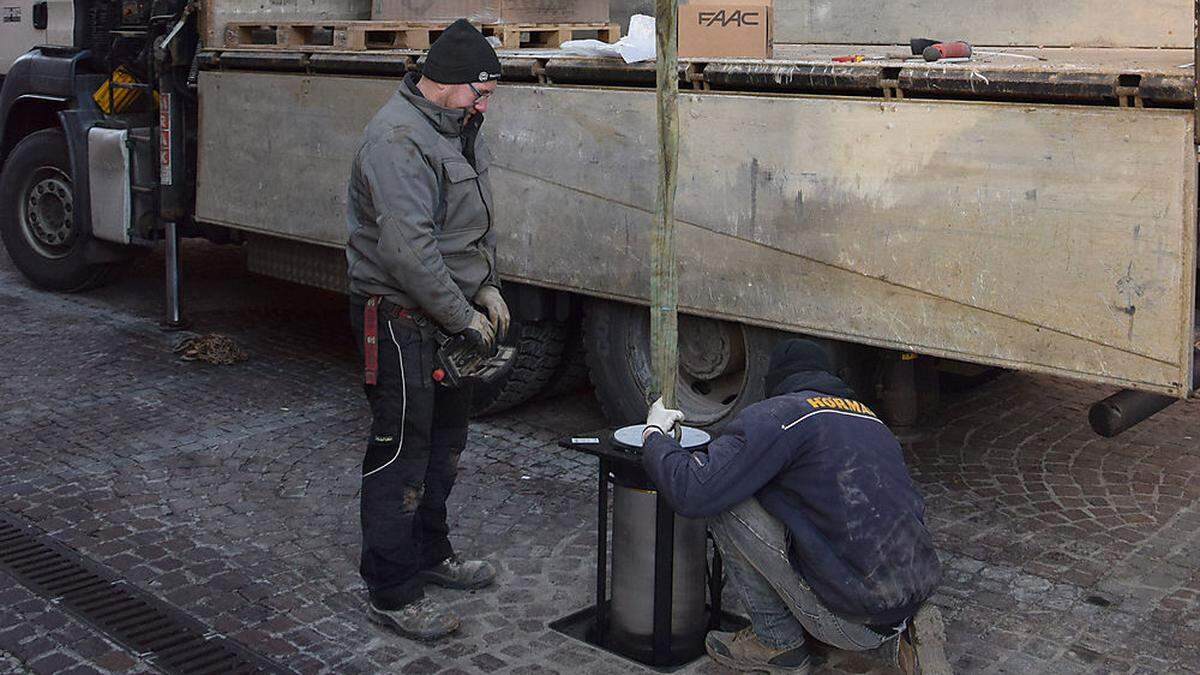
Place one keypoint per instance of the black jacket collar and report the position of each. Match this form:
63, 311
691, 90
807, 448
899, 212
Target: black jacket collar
814, 380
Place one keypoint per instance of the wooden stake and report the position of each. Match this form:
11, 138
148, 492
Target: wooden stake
664, 292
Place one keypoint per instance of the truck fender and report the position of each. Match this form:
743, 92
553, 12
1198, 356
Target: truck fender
75, 125
40, 77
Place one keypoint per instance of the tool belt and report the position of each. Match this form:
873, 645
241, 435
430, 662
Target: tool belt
376, 307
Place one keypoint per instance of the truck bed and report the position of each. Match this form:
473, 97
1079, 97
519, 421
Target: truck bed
1130, 77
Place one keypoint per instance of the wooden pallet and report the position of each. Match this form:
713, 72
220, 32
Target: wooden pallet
548, 35
346, 35
367, 35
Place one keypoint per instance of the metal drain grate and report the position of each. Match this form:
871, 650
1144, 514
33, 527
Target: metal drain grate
160, 634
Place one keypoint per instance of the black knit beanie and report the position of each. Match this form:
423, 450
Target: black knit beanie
794, 356
460, 55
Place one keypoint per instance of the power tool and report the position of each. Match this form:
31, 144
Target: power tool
461, 359
937, 50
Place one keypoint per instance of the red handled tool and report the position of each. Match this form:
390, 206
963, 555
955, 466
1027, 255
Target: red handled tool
947, 50
936, 50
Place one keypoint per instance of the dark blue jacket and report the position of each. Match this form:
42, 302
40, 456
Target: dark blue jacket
834, 474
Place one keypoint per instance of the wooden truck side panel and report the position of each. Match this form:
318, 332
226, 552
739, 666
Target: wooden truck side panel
1049, 238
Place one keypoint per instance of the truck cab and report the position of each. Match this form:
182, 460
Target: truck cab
77, 115
25, 24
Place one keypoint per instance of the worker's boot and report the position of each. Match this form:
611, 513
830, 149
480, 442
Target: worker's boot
425, 619
454, 572
920, 647
743, 652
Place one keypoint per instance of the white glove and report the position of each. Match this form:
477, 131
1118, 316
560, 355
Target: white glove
661, 418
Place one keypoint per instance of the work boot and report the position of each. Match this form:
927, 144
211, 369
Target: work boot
454, 572
743, 652
919, 648
424, 619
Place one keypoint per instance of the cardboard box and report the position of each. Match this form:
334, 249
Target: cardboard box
492, 11
714, 29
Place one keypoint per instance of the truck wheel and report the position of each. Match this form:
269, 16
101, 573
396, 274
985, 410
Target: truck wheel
721, 364
38, 222
539, 353
572, 373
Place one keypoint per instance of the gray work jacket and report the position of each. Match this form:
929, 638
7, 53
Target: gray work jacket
420, 216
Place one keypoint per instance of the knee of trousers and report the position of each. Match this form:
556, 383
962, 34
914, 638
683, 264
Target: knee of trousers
718, 527
413, 493
725, 519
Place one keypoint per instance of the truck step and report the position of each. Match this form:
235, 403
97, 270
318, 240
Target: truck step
371, 35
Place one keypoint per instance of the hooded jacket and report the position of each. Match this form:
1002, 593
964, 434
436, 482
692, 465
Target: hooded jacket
420, 209
832, 472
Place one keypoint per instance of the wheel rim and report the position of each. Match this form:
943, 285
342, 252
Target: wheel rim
712, 369
47, 213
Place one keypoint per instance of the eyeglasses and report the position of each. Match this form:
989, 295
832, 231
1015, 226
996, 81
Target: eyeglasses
478, 94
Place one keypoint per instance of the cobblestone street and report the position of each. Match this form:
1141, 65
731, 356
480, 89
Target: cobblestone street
231, 492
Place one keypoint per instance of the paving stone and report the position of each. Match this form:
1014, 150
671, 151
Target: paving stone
232, 491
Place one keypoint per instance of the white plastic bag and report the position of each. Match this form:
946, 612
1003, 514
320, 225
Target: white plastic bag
638, 45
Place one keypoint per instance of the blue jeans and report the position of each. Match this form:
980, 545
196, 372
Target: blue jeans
781, 606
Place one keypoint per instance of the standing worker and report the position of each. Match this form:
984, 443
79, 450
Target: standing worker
422, 257
820, 527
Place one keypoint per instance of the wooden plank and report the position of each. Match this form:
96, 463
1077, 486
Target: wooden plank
342, 35
547, 35
215, 15
384, 35
364, 35
1049, 238
1065, 23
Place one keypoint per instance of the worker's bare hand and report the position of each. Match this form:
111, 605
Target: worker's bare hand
482, 327
492, 302
661, 418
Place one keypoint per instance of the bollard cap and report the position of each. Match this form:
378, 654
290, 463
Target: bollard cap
631, 437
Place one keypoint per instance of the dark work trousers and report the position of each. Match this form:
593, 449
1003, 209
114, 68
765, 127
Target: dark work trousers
418, 431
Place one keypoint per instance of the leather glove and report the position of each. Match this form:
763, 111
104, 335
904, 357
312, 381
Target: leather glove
480, 333
661, 418
492, 302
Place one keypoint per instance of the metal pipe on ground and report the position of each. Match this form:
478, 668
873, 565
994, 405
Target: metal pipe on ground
174, 316
1127, 408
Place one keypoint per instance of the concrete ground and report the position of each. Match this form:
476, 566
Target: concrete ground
231, 493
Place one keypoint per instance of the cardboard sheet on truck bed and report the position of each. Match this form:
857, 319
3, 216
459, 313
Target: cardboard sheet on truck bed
1049, 238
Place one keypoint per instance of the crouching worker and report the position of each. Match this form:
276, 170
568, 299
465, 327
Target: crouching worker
820, 527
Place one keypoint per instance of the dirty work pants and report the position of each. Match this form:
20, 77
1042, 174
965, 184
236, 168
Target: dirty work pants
780, 604
418, 431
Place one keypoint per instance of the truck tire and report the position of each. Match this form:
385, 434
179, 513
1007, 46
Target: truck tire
722, 364
539, 353
38, 223
572, 373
